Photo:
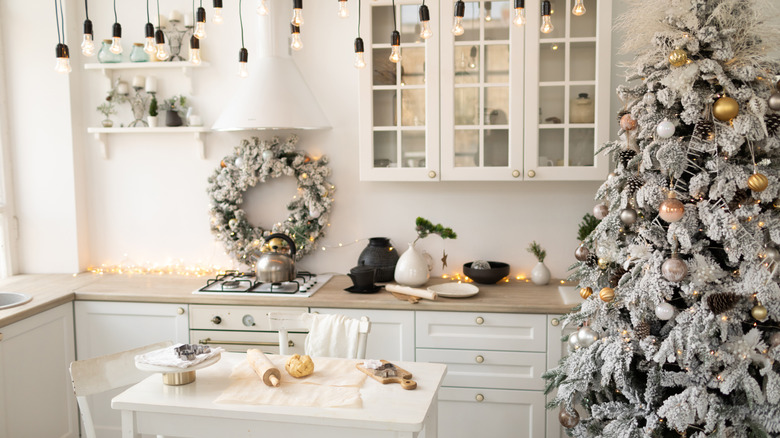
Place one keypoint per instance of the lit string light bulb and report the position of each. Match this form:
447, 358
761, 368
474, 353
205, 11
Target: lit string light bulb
195, 51
200, 25
488, 11
360, 62
116, 39
425, 22
457, 23
519, 19
162, 51
579, 8
217, 18
297, 18
343, 10
87, 41
395, 44
295, 38
262, 8
547, 25
63, 59
243, 57
149, 44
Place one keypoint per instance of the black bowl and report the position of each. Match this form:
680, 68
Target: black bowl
497, 271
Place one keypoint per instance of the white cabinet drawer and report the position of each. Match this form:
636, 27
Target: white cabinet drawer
481, 331
499, 414
252, 318
488, 369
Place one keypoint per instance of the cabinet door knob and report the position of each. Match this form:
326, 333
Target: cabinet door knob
555, 322
531, 173
180, 310
479, 359
515, 173
479, 397
432, 174
480, 320
216, 320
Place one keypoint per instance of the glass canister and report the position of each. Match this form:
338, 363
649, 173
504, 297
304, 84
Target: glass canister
581, 110
138, 54
106, 56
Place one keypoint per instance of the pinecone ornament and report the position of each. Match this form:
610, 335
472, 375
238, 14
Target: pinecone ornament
633, 184
614, 279
625, 156
772, 123
704, 130
592, 260
722, 302
642, 330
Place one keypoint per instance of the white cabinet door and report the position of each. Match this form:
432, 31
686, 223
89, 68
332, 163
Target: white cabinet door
490, 413
556, 349
392, 332
104, 327
36, 395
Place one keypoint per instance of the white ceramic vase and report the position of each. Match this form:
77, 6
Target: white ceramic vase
411, 268
540, 275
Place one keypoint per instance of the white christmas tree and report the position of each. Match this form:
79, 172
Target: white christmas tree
679, 334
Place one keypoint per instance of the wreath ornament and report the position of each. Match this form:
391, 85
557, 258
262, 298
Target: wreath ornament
256, 161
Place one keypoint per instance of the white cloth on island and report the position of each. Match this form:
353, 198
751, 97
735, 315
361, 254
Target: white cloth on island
332, 335
167, 357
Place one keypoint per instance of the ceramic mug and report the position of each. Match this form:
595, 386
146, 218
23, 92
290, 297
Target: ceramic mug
362, 277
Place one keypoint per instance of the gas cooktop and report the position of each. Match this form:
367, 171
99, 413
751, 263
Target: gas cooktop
236, 283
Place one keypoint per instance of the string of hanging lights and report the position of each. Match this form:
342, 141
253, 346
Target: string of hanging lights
360, 62
395, 41
88, 40
159, 38
243, 53
63, 58
200, 24
116, 35
217, 18
149, 45
195, 41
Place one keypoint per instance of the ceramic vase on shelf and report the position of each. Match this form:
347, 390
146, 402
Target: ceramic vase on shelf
412, 268
172, 118
540, 275
152, 121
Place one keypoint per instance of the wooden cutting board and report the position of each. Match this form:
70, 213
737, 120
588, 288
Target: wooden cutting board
402, 376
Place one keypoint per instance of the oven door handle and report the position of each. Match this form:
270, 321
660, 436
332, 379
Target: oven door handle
207, 341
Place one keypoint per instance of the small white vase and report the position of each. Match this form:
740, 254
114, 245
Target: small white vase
540, 275
411, 268
152, 121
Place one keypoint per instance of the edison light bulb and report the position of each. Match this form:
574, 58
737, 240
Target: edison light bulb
262, 8
200, 30
149, 46
395, 44
297, 18
217, 18
116, 45
519, 19
162, 52
296, 43
457, 26
360, 62
395, 54
579, 8
425, 20
242, 70
547, 25
87, 45
343, 11
243, 57
63, 62
195, 56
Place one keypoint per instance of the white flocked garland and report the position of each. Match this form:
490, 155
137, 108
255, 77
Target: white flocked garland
255, 161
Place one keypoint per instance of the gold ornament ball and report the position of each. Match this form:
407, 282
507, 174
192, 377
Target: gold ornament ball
725, 108
603, 263
607, 294
758, 182
222, 163
671, 210
678, 58
627, 122
585, 292
759, 312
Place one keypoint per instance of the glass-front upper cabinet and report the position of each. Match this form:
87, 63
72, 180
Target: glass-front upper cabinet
399, 101
567, 91
481, 92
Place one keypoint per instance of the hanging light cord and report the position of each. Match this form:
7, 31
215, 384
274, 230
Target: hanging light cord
116, 20
241, 22
86, 8
147, 10
158, 14
194, 16
57, 18
395, 27
359, 1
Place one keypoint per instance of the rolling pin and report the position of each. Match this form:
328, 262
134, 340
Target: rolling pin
413, 291
263, 367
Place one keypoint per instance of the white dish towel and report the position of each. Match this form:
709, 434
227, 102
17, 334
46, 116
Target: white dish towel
332, 336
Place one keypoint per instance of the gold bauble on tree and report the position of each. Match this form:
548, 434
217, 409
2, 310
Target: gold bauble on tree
678, 58
725, 108
607, 294
585, 292
603, 263
758, 182
759, 312
671, 210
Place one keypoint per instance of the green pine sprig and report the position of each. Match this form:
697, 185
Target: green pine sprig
537, 250
588, 224
425, 228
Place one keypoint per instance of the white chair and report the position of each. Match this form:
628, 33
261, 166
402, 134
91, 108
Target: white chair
285, 322
103, 373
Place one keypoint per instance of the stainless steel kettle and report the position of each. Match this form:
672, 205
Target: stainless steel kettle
275, 266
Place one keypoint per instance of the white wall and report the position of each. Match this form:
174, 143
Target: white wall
147, 202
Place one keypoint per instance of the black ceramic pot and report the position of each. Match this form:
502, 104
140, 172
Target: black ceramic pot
172, 118
380, 254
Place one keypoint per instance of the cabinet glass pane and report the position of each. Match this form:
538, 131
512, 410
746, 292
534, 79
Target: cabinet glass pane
581, 150
496, 20
466, 106
466, 64
497, 62
582, 64
471, 23
496, 147
384, 70
413, 66
551, 102
466, 148
581, 108
585, 25
409, 24
552, 62
413, 107
382, 23
413, 148
385, 107
550, 147
559, 15
385, 148
496, 106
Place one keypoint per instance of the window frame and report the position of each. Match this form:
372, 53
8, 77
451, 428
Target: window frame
8, 235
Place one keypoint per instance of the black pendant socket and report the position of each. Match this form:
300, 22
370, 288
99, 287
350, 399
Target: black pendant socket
425, 14
243, 55
519, 4
201, 15
295, 29
488, 6
359, 48
159, 37
297, 4
61, 51
395, 38
194, 42
149, 30
460, 9
117, 30
217, 3
88, 27
546, 8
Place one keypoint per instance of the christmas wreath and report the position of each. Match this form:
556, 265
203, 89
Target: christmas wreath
255, 161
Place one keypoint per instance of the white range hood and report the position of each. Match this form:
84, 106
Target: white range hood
274, 96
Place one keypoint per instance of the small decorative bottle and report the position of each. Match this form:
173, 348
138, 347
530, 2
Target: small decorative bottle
138, 54
581, 109
105, 55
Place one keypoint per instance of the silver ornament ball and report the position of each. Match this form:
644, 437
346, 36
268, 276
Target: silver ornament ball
574, 341
581, 253
772, 254
674, 269
567, 419
664, 311
774, 101
665, 129
587, 336
239, 162
774, 340
600, 211
267, 154
628, 216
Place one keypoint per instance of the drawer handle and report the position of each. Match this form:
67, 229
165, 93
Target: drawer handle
216, 320
479, 398
479, 359
480, 320
555, 322
180, 310
207, 341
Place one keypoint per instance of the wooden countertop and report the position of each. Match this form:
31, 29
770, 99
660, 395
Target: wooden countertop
51, 290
